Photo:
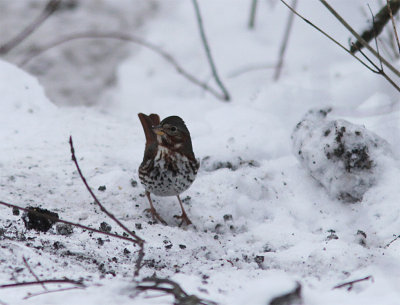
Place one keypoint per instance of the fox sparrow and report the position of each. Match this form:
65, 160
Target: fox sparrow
169, 166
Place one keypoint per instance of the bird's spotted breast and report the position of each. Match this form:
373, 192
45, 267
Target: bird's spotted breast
168, 174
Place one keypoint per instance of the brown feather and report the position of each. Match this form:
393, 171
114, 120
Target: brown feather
148, 121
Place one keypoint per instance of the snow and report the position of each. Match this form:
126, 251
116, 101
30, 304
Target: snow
261, 221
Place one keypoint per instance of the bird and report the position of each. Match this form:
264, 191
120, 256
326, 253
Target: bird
169, 166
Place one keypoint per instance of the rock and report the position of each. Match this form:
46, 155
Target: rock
64, 229
345, 158
39, 219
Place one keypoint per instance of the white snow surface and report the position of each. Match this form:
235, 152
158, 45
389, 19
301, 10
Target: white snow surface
279, 212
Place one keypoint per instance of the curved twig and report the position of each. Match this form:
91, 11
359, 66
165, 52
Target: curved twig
359, 38
123, 37
56, 281
33, 273
49, 9
55, 219
140, 242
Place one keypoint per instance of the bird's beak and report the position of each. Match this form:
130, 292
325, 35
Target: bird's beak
158, 130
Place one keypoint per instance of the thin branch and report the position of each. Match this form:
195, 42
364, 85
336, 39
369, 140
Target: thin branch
285, 41
326, 35
359, 38
33, 273
50, 291
378, 23
68, 222
49, 9
388, 4
128, 38
392, 241
348, 51
173, 288
351, 283
226, 96
138, 240
56, 281
253, 11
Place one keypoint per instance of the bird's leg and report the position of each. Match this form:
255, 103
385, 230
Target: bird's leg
153, 211
184, 217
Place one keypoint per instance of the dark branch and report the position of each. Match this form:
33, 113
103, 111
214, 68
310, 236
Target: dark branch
359, 38
173, 288
67, 222
351, 283
128, 38
59, 281
325, 34
378, 23
137, 239
226, 96
33, 273
388, 4
50, 291
49, 9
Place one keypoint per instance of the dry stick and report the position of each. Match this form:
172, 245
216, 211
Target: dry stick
128, 38
226, 96
55, 219
393, 24
138, 240
285, 41
49, 291
253, 11
351, 283
378, 23
392, 241
327, 35
378, 71
49, 9
33, 273
359, 38
181, 297
60, 281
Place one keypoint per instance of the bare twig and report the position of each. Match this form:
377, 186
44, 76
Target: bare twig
225, 96
173, 288
351, 283
33, 273
392, 241
137, 239
285, 41
378, 23
55, 219
56, 281
49, 9
253, 11
50, 291
326, 35
389, 7
382, 60
123, 37
359, 38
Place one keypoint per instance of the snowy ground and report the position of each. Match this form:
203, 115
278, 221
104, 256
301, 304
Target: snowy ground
260, 226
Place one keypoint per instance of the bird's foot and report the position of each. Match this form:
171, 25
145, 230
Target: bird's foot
185, 219
156, 216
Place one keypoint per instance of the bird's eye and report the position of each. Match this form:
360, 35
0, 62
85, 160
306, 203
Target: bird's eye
173, 129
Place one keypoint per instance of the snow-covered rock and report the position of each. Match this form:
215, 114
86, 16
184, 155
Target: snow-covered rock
345, 158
